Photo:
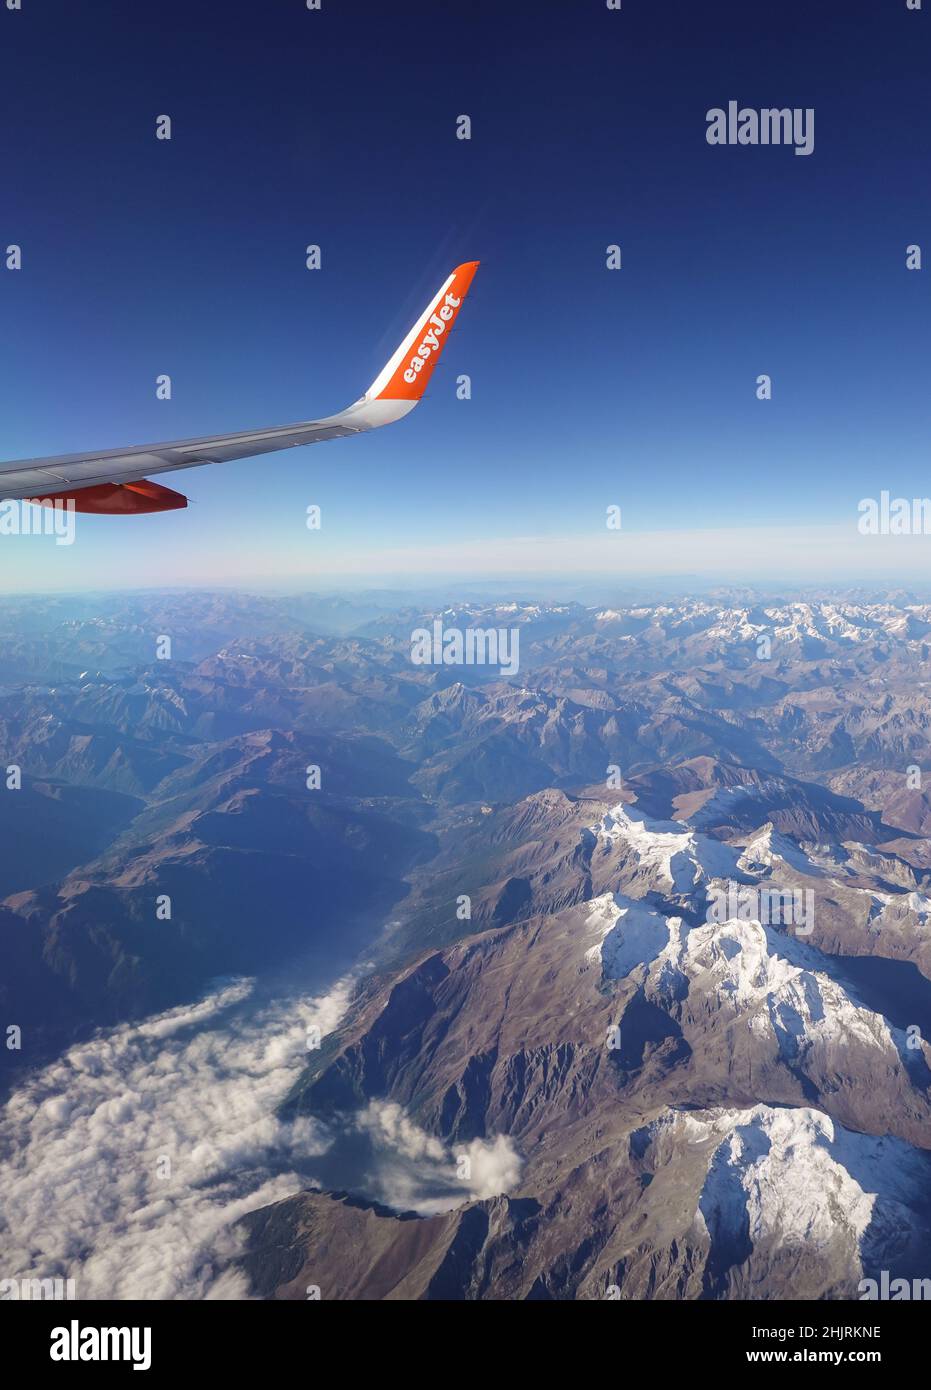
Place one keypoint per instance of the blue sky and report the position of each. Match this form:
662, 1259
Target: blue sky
590, 387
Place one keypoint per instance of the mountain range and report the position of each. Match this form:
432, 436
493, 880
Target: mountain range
646, 926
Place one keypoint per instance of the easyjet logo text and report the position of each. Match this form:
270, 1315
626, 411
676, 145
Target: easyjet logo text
430, 342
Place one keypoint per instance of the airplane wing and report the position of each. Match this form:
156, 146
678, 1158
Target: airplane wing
115, 481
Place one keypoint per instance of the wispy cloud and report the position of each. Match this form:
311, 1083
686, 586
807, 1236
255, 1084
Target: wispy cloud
412, 1170
125, 1163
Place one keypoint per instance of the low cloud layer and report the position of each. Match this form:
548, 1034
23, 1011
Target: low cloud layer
125, 1163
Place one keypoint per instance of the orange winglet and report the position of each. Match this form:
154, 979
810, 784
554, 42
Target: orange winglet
412, 365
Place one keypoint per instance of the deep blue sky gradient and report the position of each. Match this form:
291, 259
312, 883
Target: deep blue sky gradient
338, 127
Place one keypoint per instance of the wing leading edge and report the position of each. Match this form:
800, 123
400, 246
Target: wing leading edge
115, 481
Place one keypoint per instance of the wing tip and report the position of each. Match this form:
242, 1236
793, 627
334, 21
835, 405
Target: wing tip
406, 375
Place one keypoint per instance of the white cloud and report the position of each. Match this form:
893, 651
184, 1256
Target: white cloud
82, 1142
81, 1145
495, 1166
413, 1171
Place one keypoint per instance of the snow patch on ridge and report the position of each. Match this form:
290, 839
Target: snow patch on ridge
767, 845
780, 986
676, 856
794, 1176
632, 934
